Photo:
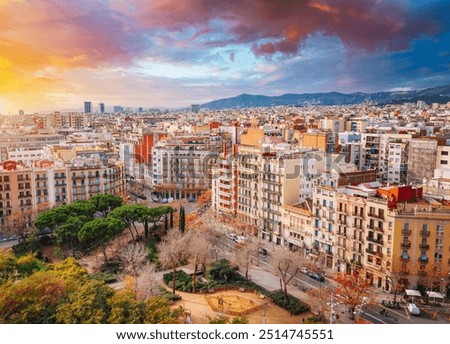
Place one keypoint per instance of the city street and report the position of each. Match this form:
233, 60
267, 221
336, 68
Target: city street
304, 286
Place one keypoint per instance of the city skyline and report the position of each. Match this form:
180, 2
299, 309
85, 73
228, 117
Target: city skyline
170, 54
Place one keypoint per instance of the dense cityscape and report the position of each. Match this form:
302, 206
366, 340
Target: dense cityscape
358, 190
221, 162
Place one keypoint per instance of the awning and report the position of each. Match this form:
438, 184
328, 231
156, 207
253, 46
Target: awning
411, 292
435, 295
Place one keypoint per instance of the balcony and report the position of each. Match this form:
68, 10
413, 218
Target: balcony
379, 229
424, 233
375, 253
376, 215
359, 239
406, 245
375, 240
424, 246
406, 232
342, 234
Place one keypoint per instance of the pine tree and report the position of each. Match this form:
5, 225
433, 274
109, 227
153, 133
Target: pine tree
166, 223
182, 221
171, 218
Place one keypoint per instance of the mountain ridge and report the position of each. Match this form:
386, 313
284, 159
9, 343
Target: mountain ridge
438, 94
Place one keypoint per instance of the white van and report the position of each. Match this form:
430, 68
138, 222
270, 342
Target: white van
413, 309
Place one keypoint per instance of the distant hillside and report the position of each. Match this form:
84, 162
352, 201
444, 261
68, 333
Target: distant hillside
440, 94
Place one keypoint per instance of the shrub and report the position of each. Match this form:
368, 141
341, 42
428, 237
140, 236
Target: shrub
222, 272
240, 320
108, 278
183, 281
168, 295
289, 303
152, 255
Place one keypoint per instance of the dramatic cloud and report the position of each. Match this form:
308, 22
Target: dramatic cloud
269, 46
274, 26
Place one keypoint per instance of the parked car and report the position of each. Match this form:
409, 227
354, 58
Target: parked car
263, 252
304, 271
316, 276
240, 239
413, 309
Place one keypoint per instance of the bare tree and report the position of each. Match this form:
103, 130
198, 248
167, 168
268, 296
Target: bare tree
245, 254
173, 251
286, 267
396, 274
199, 250
146, 283
431, 278
19, 223
321, 304
134, 257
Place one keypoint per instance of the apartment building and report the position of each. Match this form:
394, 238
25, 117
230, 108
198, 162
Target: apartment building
182, 167
249, 184
296, 226
421, 159
53, 183
224, 197
326, 213
421, 241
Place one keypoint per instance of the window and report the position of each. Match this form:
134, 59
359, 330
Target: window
444, 153
443, 162
438, 256
405, 255
439, 243
406, 226
423, 256
439, 229
425, 227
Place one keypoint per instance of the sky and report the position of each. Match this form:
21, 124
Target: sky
56, 54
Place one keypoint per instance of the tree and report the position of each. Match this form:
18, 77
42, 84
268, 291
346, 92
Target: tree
146, 283
7, 266
158, 311
286, 267
131, 214
54, 218
430, 279
204, 198
67, 233
19, 223
182, 220
354, 289
88, 304
105, 203
151, 215
32, 300
166, 223
396, 275
171, 218
125, 309
28, 264
173, 252
199, 250
101, 231
134, 257
245, 254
